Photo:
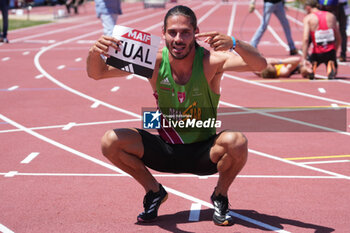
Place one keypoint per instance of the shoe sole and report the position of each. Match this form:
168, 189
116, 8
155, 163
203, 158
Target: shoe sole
140, 220
225, 223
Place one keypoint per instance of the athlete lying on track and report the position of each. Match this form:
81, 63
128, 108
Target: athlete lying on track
285, 67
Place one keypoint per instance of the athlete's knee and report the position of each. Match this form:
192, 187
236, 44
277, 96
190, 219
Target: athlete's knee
236, 145
121, 140
109, 143
233, 140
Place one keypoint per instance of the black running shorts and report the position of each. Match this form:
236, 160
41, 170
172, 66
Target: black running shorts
324, 58
177, 158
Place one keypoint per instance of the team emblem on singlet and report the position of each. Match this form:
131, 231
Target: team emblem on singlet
181, 96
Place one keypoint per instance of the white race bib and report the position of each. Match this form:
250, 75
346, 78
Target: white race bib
324, 36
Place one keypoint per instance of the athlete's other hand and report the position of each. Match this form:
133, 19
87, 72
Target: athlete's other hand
102, 45
251, 8
216, 40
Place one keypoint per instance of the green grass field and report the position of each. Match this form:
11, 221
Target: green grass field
19, 23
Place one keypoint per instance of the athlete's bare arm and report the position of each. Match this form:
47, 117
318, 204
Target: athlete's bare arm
249, 58
306, 36
219, 60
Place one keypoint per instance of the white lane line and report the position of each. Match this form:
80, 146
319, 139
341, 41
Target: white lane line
324, 162
40, 41
13, 88
86, 41
195, 212
204, 203
11, 174
69, 126
286, 90
209, 13
232, 19
30, 157
264, 225
177, 176
335, 105
78, 59
25, 53
114, 89
63, 147
82, 25
286, 119
129, 77
298, 164
321, 90
4, 229
5, 59
39, 76
53, 32
78, 124
61, 67
95, 104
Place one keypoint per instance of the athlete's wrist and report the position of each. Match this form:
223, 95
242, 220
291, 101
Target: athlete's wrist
234, 43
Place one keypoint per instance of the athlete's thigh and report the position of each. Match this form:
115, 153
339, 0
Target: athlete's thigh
129, 140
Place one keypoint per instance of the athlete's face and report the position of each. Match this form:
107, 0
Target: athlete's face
179, 36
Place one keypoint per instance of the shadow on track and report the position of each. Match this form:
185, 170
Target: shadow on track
169, 222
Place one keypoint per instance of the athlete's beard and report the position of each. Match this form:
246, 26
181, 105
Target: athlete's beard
190, 46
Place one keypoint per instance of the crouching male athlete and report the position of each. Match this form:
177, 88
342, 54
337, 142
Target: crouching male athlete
192, 74
322, 27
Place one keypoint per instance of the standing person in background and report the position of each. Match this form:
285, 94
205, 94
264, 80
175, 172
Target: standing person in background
108, 11
75, 4
276, 7
338, 7
342, 20
4, 6
322, 27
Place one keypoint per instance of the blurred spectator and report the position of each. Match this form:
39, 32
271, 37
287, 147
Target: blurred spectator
4, 5
322, 27
75, 4
276, 7
342, 20
108, 11
329, 5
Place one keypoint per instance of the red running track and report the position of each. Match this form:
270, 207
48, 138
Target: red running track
54, 178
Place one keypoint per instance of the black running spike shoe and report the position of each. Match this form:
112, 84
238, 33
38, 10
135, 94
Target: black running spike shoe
221, 215
151, 203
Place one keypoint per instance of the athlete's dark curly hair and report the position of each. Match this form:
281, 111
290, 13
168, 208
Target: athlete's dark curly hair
181, 10
312, 3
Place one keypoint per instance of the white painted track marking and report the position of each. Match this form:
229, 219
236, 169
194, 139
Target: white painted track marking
195, 212
4, 229
30, 157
